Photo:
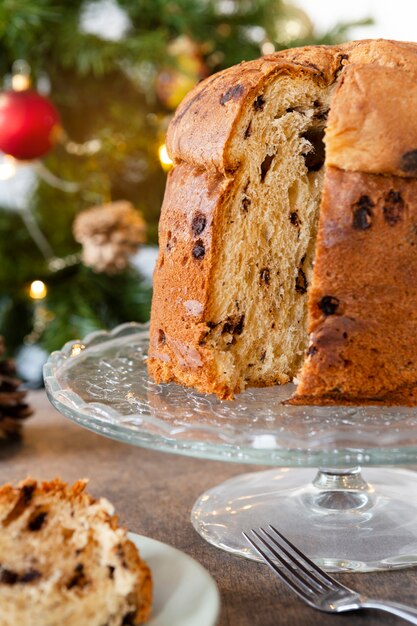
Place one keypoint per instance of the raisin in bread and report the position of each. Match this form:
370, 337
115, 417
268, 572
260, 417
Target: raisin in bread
306, 155
65, 561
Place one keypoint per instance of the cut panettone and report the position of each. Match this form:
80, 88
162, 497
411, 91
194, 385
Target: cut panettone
65, 561
305, 156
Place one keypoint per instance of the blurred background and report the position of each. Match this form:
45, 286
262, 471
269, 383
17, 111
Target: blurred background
89, 88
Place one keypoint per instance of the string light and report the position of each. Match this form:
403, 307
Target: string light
267, 48
21, 75
166, 162
7, 167
38, 290
20, 82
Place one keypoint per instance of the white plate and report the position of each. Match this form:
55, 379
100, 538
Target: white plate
184, 592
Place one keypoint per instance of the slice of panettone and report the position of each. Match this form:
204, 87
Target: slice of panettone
64, 560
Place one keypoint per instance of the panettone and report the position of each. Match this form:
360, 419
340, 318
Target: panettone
288, 231
64, 561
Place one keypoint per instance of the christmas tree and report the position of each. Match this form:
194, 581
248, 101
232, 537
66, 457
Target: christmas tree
113, 73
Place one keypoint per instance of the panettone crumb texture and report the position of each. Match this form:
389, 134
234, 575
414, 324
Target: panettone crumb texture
65, 561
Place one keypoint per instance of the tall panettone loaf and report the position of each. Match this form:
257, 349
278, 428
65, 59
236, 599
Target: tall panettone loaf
64, 561
308, 155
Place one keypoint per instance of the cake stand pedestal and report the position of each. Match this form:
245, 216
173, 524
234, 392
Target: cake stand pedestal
338, 519
341, 519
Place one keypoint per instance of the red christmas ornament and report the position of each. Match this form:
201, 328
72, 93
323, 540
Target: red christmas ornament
29, 124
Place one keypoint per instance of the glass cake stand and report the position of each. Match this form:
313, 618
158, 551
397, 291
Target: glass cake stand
342, 520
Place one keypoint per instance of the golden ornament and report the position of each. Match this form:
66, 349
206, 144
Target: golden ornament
292, 24
173, 83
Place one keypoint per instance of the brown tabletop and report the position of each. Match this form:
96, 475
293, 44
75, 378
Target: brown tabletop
154, 492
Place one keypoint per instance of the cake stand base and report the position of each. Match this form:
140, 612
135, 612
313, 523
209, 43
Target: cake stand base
342, 521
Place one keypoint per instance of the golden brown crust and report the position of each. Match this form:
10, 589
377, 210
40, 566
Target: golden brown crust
362, 303
193, 199
55, 488
397, 54
201, 130
203, 126
371, 126
143, 588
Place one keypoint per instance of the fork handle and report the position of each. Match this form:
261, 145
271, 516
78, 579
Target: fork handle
401, 610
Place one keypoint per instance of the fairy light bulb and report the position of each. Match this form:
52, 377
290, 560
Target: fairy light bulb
164, 158
21, 75
38, 290
7, 167
267, 48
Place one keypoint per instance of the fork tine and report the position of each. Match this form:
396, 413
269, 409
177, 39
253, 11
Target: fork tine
291, 561
303, 561
310, 581
295, 586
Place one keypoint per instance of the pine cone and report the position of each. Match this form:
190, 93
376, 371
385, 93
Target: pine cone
109, 234
13, 409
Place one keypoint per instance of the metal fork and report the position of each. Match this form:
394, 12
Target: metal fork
311, 583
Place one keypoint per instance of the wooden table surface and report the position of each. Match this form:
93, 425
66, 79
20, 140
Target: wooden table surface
154, 492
